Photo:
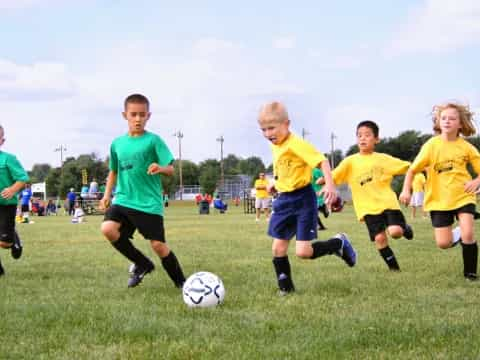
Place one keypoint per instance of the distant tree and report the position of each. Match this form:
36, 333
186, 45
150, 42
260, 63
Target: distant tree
337, 157
209, 175
231, 165
251, 166
39, 172
53, 182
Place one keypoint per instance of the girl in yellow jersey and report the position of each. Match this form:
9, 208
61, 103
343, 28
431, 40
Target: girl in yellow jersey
450, 189
295, 208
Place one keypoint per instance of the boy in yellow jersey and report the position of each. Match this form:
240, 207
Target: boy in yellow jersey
369, 175
418, 193
295, 208
262, 198
450, 189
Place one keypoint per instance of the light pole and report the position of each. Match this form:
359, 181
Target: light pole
179, 136
332, 156
221, 140
60, 149
304, 133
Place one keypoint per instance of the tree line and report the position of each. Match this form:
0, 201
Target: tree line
207, 173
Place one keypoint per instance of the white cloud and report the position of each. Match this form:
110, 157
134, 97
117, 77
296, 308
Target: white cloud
285, 42
329, 61
438, 26
22, 4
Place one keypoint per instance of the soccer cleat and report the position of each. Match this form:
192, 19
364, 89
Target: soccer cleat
17, 247
408, 232
138, 275
471, 276
346, 251
285, 285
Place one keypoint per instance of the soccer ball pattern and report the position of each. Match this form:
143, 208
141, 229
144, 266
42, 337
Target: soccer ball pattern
203, 289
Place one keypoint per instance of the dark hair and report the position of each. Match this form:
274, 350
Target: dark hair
371, 125
137, 99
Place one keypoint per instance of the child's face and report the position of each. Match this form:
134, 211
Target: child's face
137, 116
274, 130
449, 122
366, 140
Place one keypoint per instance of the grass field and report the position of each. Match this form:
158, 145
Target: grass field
67, 298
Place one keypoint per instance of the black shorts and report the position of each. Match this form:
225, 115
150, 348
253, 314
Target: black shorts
377, 224
7, 223
149, 225
25, 208
447, 217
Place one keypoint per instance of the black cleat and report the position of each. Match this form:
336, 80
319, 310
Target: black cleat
138, 275
2, 272
17, 247
408, 232
471, 276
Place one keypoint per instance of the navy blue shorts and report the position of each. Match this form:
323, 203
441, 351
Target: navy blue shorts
294, 213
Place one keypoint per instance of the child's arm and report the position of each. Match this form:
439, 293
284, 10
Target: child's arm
111, 181
406, 193
329, 191
10, 192
154, 169
472, 186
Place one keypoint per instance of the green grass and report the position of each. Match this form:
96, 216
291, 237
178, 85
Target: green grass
66, 298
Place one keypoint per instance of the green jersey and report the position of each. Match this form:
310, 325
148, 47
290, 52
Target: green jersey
317, 174
11, 171
130, 157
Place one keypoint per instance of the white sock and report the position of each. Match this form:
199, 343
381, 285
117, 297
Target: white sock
456, 235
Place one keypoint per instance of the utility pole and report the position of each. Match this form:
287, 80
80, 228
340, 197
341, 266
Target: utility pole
304, 133
179, 136
221, 140
332, 150
60, 149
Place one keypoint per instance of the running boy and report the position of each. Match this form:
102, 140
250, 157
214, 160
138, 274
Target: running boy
295, 209
137, 161
12, 179
450, 190
369, 175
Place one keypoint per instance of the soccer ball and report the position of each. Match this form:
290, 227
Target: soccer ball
203, 289
337, 206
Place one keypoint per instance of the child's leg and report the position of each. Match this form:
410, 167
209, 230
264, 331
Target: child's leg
169, 262
282, 265
469, 246
395, 231
444, 237
414, 210
381, 243
121, 242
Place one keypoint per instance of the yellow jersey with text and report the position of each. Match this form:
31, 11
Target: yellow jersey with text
369, 177
293, 161
261, 188
418, 182
446, 164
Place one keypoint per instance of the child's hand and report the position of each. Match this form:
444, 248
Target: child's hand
104, 203
154, 169
7, 193
472, 186
329, 194
405, 197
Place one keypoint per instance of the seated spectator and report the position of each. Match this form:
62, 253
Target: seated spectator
51, 208
219, 204
78, 215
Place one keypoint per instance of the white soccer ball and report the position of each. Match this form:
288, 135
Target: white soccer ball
203, 289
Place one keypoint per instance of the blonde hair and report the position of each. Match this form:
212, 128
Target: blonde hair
274, 111
464, 113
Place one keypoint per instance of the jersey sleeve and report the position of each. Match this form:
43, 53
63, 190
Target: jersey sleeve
308, 153
17, 171
474, 159
422, 160
397, 166
340, 173
164, 154
113, 163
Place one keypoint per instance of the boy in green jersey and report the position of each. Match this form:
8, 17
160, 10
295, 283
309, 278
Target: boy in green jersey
12, 179
137, 161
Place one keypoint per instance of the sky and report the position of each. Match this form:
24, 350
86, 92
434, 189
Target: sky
208, 66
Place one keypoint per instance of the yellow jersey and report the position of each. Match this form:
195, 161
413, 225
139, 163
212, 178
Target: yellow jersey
293, 161
369, 177
261, 193
446, 163
418, 182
